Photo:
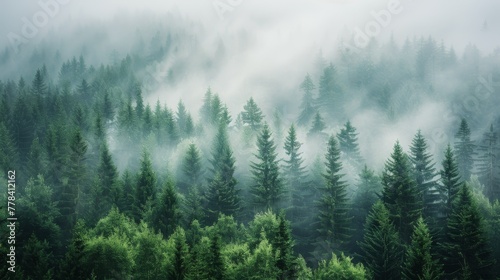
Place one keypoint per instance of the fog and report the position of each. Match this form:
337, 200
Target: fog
261, 49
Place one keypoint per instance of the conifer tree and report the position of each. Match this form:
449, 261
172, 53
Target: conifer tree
37, 161
424, 174
329, 90
450, 180
108, 177
215, 262
334, 222
166, 213
468, 251
126, 202
307, 105
222, 198
267, 189
181, 117
317, 127
38, 86
8, 150
419, 263
348, 142
381, 248
180, 261
145, 186
252, 115
191, 167
488, 167
283, 244
139, 102
464, 149
107, 107
400, 194
72, 267
293, 170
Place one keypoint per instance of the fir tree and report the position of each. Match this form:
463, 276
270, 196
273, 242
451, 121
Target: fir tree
464, 149
334, 222
139, 102
145, 186
381, 248
329, 90
450, 180
126, 201
180, 261
222, 198
419, 263
267, 189
37, 161
108, 178
107, 107
424, 174
72, 267
293, 170
166, 213
8, 150
215, 262
191, 167
400, 194
468, 251
348, 142
252, 115
307, 104
38, 86
317, 127
283, 244
181, 117
488, 167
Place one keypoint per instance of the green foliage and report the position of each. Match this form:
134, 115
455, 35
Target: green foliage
489, 165
192, 167
179, 260
108, 257
419, 263
317, 127
348, 142
340, 268
283, 245
381, 248
334, 222
307, 104
450, 180
464, 148
267, 189
252, 115
145, 186
400, 194
149, 254
166, 214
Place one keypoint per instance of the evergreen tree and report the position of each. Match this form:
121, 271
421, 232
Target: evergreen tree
307, 104
139, 102
329, 90
267, 189
340, 268
193, 205
488, 167
222, 198
317, 127
191, 167
181, 117
424, 174
126, 201
381, 248
145, 187
293, 170
450, 180
72, 266
36, 259
215, 262
348, 142
400, 194
419, 263
334, 222
467, 247
283, 244
107, 107
8, 150
464, 149
38, 86
108, 178
180, 261
252, 115
37, 161
166, 213
206, 108
76, 180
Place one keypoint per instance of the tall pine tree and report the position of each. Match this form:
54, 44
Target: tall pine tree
464, 149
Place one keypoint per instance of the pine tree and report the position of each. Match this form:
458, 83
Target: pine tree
107, 107
293, 170
419, 263
307, 104
252, 115
108, 178
400, 194
139, 102
424, 174
334, 222
38, 86
180, 261
37, 161
488, 167
283, 244
191, 167
145, 186
222, 198
215, 262
76, 180
206, 108
329, 90
467, 247
72, 267
181, 117
464, 149
317, 127
166, 212
450, 180
126, 202
348, 142
267, 189
8, 150
381, 248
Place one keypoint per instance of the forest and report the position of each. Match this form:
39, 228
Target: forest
347, 175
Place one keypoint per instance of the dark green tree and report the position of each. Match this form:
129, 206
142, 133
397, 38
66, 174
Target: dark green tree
348, 142
488, 164
222, 198
450, 180
334, 222
419, 263
215, 261
307, 105
192, 167
464, 149
267, 189
468, 252
381, 249
36, 259
126, 200
8, 150
293, 171
38, 85
139, 102
283, 245
145, 190
180, 260
166, 213
72, 265
400, 194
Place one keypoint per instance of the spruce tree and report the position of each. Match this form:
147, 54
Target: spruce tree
317, 127
329, 90
468, 251
334, 222
252, 115
38, 86
108, 178
181, 118
348, 142
8, 150
126, 202
424, 176
307, 104
267, 189
293, 170
215, 261
180, 261
464, 149
72, 266
450, 180
488, 167
191, 167
419, 263
400, 194
145, 189
381, 249
166, 213
283, 244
